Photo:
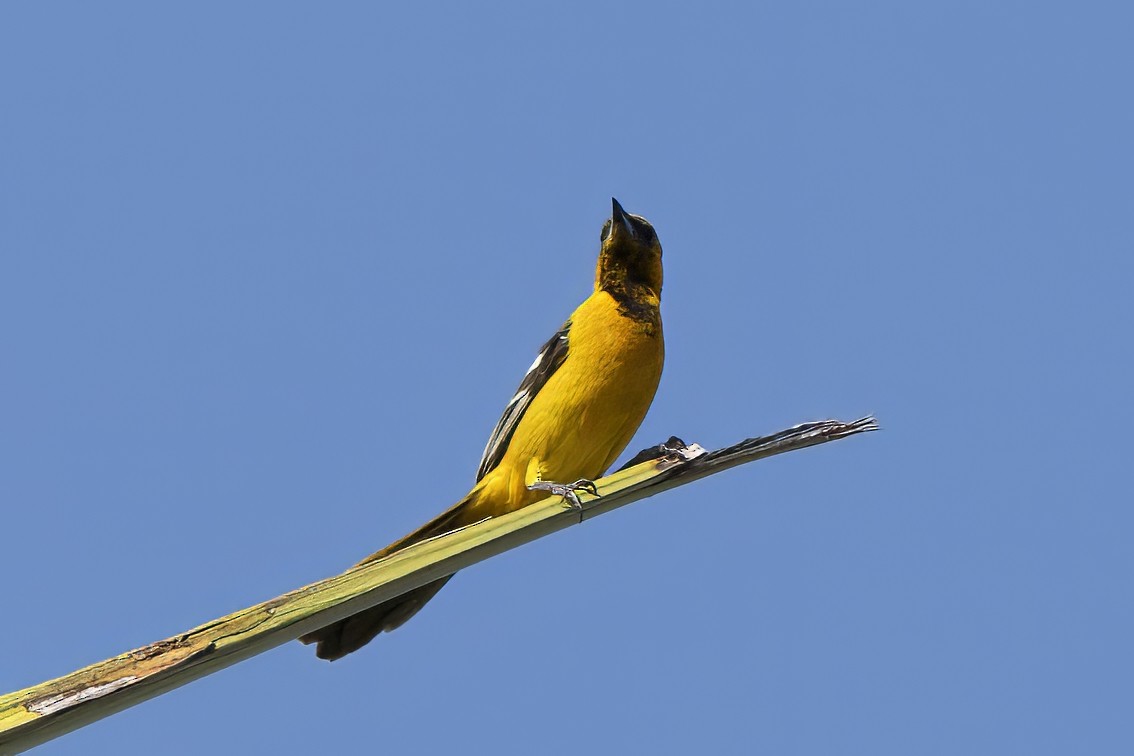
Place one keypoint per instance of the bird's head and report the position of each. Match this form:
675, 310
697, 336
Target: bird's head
631, 254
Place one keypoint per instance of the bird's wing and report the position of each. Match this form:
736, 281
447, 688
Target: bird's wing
550, 357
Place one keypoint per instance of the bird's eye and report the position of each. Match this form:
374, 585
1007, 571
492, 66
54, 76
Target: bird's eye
605, 230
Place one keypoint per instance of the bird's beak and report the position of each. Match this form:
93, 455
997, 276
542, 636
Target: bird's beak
619, 220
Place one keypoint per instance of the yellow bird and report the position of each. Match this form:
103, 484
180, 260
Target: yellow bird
575, 411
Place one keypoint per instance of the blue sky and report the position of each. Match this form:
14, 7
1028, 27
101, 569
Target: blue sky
269, 273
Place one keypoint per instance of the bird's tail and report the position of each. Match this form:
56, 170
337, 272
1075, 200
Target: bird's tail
352, 633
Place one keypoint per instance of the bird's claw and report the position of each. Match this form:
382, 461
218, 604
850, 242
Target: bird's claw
567, 490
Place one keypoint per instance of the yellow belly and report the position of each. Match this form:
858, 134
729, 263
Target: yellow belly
586, 414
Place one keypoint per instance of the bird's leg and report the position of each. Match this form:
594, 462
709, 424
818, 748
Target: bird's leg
567, 490
533, 478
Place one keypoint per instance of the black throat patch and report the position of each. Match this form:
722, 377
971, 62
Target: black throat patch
635, 301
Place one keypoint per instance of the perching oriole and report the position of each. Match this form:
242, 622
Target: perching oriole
575, 411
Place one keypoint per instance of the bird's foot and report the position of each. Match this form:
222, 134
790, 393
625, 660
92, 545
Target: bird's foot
567, 490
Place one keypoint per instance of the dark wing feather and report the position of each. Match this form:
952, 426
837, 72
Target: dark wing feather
551, 356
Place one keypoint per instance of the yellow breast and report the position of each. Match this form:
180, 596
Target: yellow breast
587, 412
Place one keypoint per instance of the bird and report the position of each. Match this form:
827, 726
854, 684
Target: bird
575, 411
